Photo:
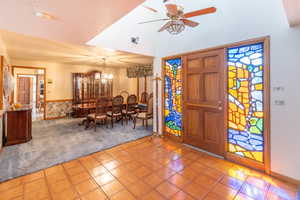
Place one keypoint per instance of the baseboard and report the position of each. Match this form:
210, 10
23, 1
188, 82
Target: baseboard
52, 118
285, 178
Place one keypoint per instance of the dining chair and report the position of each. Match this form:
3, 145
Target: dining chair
131, 107
144, 97
116, 110
144, 116
100, 112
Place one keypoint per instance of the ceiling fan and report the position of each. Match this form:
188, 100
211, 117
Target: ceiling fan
177, 19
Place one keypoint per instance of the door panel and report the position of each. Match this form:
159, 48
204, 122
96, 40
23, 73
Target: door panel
23, 90
204, 96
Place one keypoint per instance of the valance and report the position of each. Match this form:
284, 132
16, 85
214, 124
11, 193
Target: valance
139, 71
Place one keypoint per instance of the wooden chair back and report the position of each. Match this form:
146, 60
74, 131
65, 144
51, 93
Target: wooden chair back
144, 97
101, 106
131, 103
117, 104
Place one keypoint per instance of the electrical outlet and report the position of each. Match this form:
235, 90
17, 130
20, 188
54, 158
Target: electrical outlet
278, 89
279, 102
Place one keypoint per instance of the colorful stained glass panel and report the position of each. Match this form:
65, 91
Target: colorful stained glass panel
245, 101
173, 95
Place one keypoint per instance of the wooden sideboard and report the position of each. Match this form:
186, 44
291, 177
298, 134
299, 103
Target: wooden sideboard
17, 126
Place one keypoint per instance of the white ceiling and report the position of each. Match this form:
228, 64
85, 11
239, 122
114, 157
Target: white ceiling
149, 37
77, 20
23, 47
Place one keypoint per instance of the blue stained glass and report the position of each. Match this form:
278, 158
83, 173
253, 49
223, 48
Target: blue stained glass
245, 85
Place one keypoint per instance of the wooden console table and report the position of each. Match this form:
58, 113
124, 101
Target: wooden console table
18, 126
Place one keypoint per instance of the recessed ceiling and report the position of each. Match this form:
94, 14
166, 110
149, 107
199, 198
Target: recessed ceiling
75, 21
31, 48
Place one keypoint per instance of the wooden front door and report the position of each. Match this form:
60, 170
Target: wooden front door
23, 90
203, 100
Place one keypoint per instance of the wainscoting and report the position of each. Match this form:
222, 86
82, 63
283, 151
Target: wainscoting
56, 109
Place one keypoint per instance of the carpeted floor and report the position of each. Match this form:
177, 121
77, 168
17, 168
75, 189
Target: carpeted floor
58, 141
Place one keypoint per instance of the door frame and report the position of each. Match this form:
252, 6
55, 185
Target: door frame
45, 84
230, 156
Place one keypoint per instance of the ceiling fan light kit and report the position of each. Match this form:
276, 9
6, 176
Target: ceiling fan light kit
176, 27
177, 19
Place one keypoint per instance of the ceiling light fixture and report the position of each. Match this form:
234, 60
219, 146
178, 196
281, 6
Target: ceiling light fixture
176, 27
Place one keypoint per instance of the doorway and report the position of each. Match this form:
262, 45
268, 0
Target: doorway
203, 100
30, 89
218, 100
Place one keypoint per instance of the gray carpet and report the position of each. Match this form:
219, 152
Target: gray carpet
58, 141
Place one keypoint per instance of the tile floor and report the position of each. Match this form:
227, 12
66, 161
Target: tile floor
146, 169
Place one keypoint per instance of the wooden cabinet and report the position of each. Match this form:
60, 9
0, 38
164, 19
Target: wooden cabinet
18, 126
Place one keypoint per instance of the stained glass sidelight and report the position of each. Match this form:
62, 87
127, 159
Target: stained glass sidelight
245, 101
173, 95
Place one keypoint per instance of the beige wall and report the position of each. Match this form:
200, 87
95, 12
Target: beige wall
61, 76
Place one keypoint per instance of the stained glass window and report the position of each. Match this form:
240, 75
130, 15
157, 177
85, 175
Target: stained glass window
173, 95
245, 101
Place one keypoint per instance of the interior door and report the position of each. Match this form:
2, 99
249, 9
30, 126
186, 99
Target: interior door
204, 97
23, 90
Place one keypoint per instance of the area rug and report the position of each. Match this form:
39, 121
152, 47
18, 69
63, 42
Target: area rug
58, 141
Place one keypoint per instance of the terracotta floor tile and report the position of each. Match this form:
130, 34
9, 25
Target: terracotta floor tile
53, 170
241, 196
104, 179
139, 189
75, 170
133, 165
153, 180
195, 190
35, 185
104, 158
33, 176
182, 196
128, 178
94, 195
176, 165
179, 180
193, 156
153, 195
112, 188
205, 181
232, 182
212, 196
258, 182
282, 193
141, 172
252, 191
56, 177
71, 164
11, 184
167, 189
78, 178
198, 167
123, 195
165, 172
59, 186
86, 186
189, 173
97, 171
69, 194
224, 191
213, 173
40, 194
119, 171
111, 164
12, 193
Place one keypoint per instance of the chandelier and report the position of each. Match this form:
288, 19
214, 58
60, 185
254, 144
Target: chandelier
176, 27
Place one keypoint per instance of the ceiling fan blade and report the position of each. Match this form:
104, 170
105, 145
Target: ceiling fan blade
200, 12
156, 20
190, 23
149, 8
165, 27
172, 9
